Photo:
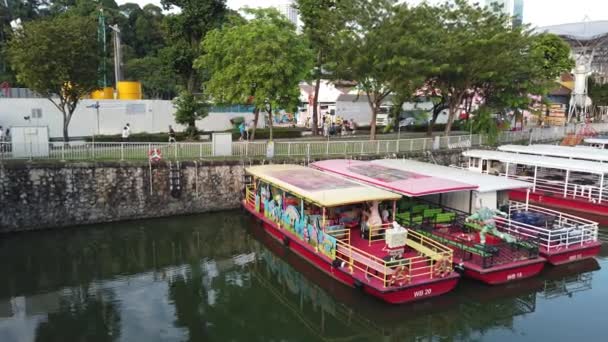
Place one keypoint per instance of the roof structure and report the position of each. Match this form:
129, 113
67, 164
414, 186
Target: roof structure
586, 38
484, 183
596, 140
318, 187
580, 31
407, 183
540, 161
569, 152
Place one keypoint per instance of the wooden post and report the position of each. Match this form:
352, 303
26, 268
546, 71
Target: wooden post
535, 174
323, 219
566, 183
601, 188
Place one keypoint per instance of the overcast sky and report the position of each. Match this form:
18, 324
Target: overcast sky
536, 12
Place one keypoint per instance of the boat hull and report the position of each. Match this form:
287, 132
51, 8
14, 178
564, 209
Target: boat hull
418, 291
594, 211
504, 274
572, 254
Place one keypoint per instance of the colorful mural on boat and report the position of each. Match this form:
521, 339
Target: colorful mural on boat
306, 227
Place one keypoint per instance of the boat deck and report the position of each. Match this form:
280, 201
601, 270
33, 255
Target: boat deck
495, 253
419, 273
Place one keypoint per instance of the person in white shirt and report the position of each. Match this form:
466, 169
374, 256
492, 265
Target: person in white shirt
1, 133
125, 134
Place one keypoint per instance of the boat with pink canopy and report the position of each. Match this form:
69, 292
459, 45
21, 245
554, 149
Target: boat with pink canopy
493, 258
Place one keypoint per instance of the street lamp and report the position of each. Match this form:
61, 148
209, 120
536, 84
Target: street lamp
96, 106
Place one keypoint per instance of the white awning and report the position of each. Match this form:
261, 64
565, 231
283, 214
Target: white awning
540, 161
485, 183
559, 151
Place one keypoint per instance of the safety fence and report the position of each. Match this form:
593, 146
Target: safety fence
239, 149
560, 230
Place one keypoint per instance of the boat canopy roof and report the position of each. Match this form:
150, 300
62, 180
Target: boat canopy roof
318, 187
540, 161
404, 182
484, 183
596, 140
559, 151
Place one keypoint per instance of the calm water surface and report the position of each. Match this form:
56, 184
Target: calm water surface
217, 277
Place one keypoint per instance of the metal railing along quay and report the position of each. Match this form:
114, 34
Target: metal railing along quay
243, 149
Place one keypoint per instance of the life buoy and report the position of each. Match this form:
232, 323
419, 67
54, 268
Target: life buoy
443, 268
155, 154
401, 276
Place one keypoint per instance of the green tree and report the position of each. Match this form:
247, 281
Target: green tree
185, 31
380, 65
364, 53
190, 108
58, 59
157, 79
262, 61
598, 92
468, 31
323, 20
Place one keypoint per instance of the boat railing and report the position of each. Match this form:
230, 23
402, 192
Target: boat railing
339, 232
433, 260
561, 230
250, 194
377, 233
590, 192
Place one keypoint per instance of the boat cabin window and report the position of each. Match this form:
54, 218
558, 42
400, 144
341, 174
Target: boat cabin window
474, 163
484, 165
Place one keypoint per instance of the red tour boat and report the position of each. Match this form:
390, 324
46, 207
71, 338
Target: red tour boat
562, 238
492, 256
574, 185
328, 221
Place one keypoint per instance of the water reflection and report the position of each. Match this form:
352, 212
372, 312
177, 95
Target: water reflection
219, 277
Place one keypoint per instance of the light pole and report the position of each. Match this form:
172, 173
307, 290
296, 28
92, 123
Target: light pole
96, 106
117, 55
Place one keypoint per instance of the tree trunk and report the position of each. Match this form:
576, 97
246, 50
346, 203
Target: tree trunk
66, 135
270, 122
454, 104
315, 108
437, 109
451, 117
191, 83
372, 125
256, 115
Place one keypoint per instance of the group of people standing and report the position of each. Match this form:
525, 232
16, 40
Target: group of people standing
338, 127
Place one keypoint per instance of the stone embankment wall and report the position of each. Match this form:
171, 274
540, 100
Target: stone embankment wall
44, 195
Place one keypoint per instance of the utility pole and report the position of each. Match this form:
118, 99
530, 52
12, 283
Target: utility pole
117, 55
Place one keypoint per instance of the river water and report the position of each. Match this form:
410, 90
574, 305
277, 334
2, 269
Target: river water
218, 277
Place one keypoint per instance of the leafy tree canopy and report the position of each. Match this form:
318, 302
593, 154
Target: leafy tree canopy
262, 61
58, 59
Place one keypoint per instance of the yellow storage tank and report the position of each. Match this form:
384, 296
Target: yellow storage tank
106, 93
128, 90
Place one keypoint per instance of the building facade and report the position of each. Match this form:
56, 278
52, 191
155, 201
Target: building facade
512, 8
289, 10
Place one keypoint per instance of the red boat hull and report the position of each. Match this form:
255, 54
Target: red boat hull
594, 211
504, 274
572, 254
397, 296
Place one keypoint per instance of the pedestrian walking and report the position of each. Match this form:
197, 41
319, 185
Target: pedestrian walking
171, 135
125, 134
242, 130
